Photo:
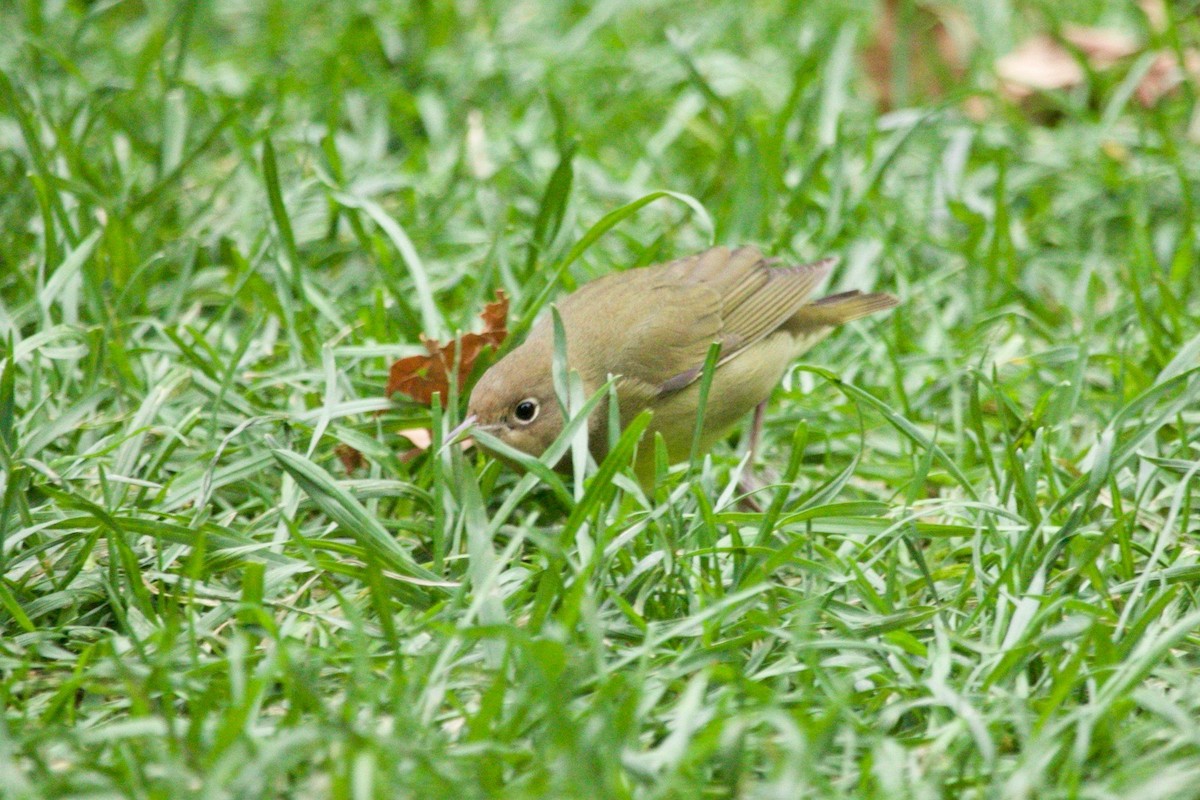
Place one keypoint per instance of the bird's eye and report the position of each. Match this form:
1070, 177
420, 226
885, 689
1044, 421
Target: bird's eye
526, 410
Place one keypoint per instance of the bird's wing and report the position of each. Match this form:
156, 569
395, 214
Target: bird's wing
731, 297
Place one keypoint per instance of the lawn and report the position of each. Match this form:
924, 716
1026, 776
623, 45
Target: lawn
226, 571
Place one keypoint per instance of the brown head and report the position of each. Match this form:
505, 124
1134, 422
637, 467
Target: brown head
515, 402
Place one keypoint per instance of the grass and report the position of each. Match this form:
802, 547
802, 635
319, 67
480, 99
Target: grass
222, 221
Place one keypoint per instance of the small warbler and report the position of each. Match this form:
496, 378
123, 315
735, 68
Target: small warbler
652, 327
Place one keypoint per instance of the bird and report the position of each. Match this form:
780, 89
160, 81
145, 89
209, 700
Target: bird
651, 328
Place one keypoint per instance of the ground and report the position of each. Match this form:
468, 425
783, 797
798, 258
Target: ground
221, 222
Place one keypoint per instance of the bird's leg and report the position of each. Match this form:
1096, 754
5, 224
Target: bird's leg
751, 481
756, 426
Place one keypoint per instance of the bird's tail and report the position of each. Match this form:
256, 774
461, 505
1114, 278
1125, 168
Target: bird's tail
836, 309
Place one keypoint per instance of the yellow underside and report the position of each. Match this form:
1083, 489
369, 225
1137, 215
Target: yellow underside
737, 387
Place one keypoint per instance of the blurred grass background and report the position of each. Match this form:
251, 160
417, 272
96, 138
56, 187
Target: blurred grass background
220, 222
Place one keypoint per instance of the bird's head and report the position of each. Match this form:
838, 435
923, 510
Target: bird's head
515, 402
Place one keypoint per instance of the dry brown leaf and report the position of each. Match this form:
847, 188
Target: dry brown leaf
1043, 63
495, 319
421, 377
1038, 64
351, 458
1166, 74
421, 439
979, 107
936, 40
1100, 46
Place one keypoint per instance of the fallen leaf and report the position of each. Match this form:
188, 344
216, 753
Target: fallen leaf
934, 40
1038, 64
979, 107
1043, 63
420, 377
351, 458
421, 439
495, 319
1166, 74
1100, 46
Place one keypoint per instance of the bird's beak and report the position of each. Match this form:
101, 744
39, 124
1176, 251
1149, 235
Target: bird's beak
453, 435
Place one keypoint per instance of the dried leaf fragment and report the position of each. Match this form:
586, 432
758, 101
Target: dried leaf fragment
1166, 74
1043, 63
352, 460
1038, 64
1100, 46
421, 439
420, 377
934, 40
